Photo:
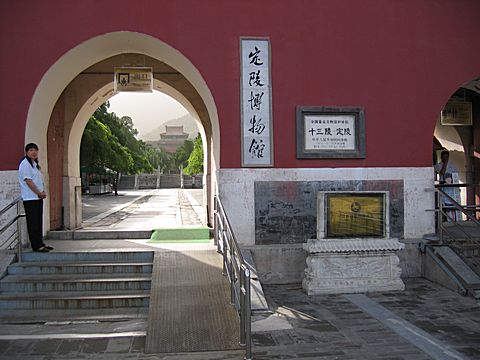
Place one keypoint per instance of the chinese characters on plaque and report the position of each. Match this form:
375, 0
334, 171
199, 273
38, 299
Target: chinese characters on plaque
330, 132
133, 79
257, 148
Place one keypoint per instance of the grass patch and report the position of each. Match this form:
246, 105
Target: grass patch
181, 235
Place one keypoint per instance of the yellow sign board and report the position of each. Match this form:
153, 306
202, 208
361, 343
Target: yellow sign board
355, 215
133, 79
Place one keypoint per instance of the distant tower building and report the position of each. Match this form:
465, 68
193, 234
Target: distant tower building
172, 138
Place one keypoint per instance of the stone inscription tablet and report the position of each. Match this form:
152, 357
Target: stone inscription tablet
354, 215
286, 211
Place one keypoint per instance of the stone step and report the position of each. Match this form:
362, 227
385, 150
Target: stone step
33, 316
459, 268
85, 267
88, 256
73, 329
75, 282
468, 250
98, 235
74, 300
258, 303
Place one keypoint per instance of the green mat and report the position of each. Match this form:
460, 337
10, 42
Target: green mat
181, 235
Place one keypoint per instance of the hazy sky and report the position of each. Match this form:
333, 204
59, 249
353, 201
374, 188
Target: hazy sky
147, 110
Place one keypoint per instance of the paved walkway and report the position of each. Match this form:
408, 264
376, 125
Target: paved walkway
314, 327
144, 210
432, 323
426, 321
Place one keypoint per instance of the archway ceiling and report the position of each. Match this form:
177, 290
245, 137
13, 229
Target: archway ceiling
161, 71
108, 66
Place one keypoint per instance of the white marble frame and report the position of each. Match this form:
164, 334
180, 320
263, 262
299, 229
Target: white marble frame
321, 215
236, 188
267, 114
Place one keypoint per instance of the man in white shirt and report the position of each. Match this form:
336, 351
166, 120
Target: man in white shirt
444, 167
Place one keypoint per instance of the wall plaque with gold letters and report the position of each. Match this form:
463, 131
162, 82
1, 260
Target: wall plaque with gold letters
353, 251
354, 214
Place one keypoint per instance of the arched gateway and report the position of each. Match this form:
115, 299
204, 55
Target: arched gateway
82, 80
349, 110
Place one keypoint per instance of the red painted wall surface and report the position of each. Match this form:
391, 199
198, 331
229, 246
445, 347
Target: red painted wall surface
399, 59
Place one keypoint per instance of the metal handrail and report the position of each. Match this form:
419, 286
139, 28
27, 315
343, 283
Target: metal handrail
238, 273
9, 206
442, 211
16, 235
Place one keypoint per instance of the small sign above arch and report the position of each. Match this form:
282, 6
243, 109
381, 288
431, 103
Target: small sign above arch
457, 113
133, 79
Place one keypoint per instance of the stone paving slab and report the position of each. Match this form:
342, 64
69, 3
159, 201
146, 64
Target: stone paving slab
322, 327
331, 327
446, 315
128, 348
97, 207
144, 210
413, 334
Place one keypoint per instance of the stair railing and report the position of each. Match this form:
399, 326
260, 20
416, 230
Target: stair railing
237, 272
444, 215
14, 237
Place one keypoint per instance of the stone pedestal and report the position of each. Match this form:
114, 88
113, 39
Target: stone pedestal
338, 266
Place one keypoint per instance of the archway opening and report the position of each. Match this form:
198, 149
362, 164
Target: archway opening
72, 102
457, 137
136, 146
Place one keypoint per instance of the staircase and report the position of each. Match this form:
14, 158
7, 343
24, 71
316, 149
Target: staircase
464, 238
470, 253
73, 286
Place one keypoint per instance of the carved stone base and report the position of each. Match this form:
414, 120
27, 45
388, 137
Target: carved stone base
352, 266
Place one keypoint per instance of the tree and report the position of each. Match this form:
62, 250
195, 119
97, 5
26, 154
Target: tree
100, 150
158, 158
110, 142
195, 161
180, 157
127, 122
123, 129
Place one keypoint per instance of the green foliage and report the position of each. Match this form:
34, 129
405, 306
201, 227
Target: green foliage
180, 157
159, 159
101, 150
110, 142
195, 161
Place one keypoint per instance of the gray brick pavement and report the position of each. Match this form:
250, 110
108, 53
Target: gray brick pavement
331, 327
324, 327
449, 317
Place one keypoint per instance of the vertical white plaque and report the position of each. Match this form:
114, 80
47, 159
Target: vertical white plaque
256, 103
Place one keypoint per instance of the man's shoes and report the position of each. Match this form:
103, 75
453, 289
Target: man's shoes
42, 249
48, 247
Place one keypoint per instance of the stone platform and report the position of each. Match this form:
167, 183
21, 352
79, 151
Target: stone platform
339, 266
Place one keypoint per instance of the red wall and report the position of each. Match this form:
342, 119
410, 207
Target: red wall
399, 59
